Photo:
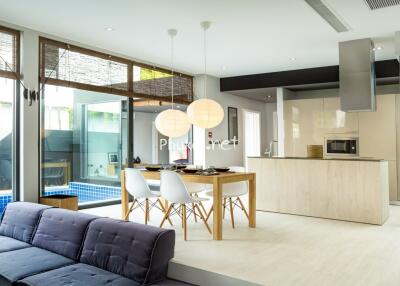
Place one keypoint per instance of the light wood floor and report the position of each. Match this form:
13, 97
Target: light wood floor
291, 250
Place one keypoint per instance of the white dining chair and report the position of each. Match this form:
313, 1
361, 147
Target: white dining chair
174, 190
231, 194
143, 197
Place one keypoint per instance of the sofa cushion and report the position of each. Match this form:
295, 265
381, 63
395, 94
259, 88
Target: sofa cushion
20, 220
10, 244
18, 264
77, 275
135, 251
62, 231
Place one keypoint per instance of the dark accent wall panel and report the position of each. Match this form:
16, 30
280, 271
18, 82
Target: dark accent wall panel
319, 75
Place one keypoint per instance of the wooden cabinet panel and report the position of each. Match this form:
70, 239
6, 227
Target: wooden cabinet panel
337, 121
303, 125
351, 190
377, 130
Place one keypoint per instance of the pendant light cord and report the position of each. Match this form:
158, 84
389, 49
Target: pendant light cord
205, 62
172, 70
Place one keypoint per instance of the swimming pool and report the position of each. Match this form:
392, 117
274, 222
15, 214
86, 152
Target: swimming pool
87, 193
5, 198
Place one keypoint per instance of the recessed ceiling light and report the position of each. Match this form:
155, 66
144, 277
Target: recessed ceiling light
269, 96
109, 29
292, 59
377, 48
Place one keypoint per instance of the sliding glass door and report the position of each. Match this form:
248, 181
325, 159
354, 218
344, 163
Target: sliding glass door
7, 89
81, 147
89, 134
9, 72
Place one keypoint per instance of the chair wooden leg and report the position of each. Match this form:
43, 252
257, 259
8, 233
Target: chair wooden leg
181, 212
201, 204
203, 219
202, 207
130, 210
231, 207
194, 213
167, 214
243, 208
223, 213
184, 221
164, 211
209, 213
146, 211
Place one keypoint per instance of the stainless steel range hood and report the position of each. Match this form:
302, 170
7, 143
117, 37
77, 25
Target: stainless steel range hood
397, 44
357, 75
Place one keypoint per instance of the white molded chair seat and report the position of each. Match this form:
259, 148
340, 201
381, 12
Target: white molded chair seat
195, 188
231, 193
138, 188
174, 190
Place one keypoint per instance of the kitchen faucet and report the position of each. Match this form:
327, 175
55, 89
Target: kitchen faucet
271, 145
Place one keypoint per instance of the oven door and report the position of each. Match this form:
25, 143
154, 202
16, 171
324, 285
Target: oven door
341, 147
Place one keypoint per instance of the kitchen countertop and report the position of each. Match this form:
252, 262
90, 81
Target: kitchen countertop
331, 159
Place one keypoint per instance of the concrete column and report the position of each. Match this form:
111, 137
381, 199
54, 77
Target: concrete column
281, 121
29, 123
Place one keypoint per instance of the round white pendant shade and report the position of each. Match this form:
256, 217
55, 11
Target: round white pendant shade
205, 113
172, 123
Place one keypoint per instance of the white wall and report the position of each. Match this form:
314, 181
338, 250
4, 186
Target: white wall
270, 109
29, 124
142, 136
218, 157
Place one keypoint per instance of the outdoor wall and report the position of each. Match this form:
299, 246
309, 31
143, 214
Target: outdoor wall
233, 157
142, 136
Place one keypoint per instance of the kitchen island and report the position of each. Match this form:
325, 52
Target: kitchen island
344, 189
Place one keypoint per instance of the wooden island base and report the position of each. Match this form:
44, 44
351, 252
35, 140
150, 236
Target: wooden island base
344, 189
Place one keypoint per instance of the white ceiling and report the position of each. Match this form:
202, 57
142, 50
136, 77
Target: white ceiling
246, 37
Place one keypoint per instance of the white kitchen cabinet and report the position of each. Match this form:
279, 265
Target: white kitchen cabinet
377, 136
377, 130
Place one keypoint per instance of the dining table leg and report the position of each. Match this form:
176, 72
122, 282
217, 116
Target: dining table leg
217, 209
252, 201
124, 197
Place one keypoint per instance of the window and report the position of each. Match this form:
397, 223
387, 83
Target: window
87, 118
71, 66
155, 83
82, 143
251, 134
9, 73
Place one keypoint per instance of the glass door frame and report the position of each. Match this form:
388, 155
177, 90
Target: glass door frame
16, 120
41, 133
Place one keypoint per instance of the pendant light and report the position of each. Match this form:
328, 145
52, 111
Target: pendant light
172, 122
205, 112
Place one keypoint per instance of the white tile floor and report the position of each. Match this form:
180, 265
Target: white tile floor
291, 250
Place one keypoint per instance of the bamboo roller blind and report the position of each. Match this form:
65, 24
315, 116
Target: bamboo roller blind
9, 51
72, 66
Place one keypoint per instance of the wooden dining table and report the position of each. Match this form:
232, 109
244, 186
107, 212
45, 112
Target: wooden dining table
217, 181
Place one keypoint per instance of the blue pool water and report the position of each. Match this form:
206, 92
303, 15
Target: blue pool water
87, 193
5, 198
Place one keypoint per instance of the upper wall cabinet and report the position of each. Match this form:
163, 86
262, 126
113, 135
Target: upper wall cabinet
308, 121
303, 125
377, 130
337, 121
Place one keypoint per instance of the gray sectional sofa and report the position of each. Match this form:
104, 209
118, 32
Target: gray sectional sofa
44, 246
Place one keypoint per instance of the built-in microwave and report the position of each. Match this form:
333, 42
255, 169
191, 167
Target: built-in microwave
346, 147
